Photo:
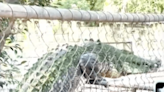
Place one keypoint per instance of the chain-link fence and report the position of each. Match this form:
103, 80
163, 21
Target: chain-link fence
64, 50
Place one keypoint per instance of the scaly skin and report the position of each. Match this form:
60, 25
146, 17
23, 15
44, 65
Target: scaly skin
68, 82
51, 70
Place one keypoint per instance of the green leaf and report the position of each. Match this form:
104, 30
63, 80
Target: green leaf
26, 30
17, 45
11, 48
16, 70
9, 41
15, 51
20, 49
19, 56
22, 62
4, 64
12, 38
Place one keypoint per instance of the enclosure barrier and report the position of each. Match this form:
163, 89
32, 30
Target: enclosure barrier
35, 12
111, 31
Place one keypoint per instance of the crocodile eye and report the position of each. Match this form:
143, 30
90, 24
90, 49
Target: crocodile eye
92, 61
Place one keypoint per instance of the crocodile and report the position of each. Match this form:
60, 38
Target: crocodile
58, 71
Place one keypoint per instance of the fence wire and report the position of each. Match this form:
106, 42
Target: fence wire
41, 55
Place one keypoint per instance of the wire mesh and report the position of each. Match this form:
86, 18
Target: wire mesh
42, 55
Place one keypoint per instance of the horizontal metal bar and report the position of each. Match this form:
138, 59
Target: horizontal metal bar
117, 42
36, 12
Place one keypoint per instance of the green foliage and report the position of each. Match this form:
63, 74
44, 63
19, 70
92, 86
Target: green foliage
4, 22
96, 5
8, 66
35, 2
142, 6
9, 55
81, 4
51, 66
150, 6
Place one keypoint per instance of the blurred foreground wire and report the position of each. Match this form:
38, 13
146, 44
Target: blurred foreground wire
56, 50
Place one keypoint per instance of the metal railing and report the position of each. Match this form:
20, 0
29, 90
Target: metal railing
36, 12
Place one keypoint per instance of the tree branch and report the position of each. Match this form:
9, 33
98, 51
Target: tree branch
4, 34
